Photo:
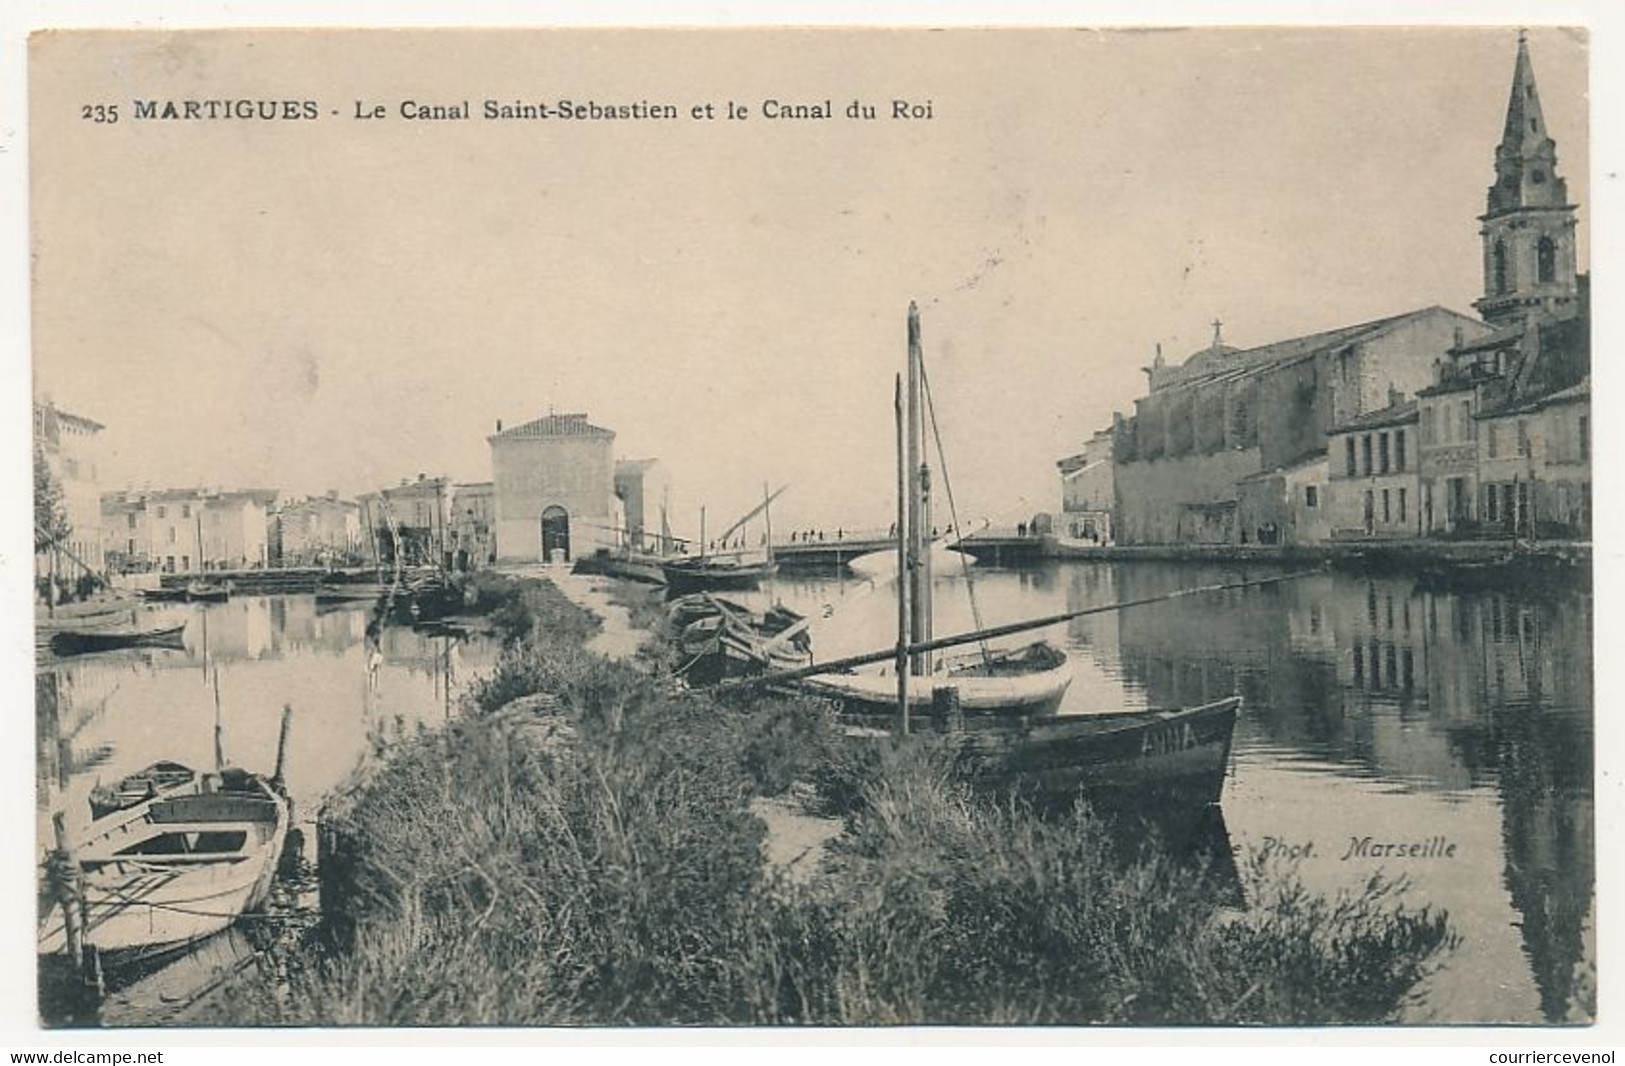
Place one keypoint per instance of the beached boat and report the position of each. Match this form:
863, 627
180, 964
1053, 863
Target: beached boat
80, 641
165, 594
720, 639
166, 873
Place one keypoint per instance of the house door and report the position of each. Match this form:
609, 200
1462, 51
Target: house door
555, 534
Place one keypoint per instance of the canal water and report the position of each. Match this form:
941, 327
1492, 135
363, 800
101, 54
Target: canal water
1379, 713
249, 657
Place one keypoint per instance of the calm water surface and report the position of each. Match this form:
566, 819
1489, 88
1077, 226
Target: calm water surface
1374, 708
125, 710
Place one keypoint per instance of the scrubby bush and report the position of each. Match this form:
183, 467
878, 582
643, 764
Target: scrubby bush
499, 876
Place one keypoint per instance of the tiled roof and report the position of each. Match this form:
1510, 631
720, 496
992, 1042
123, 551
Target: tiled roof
1392, 415
1281, 352
567, 425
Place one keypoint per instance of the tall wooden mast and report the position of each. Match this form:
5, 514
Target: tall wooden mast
919, 504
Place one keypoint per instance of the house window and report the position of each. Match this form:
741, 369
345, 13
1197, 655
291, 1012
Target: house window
1523, 436
186, 562
1387, 516
1352, 468
1311, 496
1546, 260
130, 518
160, 510
1382, 451
171, 534
1494, 441
1492, 511
1427, 425
186, 510
1399, 449
1585, 438
1499, 257
1402, 506
1468, 430
1365, 452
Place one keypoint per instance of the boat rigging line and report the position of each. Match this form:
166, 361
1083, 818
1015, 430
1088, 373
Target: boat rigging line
959, 639
953, 512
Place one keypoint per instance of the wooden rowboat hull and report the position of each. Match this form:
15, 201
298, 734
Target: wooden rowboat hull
75, 642
1151, 762
1145, 761
686, 577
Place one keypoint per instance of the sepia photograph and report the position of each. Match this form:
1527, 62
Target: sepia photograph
1043, 528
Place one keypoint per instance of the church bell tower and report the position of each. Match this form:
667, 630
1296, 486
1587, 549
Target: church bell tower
1528, 227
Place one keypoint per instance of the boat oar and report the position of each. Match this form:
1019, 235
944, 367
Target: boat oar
998, 631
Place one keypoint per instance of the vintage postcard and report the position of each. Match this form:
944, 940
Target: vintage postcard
813, 527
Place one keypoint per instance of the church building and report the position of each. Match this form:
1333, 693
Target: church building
1438, 423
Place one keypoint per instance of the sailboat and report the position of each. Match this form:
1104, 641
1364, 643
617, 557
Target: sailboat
723, 570
1002, 705
1024, 681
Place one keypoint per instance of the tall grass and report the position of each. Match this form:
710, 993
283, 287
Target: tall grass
498, 876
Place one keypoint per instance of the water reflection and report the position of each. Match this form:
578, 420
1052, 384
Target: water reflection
120, 711
1376, 710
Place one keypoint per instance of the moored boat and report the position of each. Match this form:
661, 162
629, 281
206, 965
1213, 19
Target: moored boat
625, 564
159, 779
1030, 680
160, 876
1000, 706
80, 641
697, 575
1147, 762
207, 592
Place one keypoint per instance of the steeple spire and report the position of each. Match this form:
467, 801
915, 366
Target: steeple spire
1526, 159
1528, 223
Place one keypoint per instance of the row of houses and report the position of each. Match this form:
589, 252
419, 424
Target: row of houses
1430, 422
557, 491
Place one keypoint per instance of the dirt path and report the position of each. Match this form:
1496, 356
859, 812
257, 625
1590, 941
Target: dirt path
617, 639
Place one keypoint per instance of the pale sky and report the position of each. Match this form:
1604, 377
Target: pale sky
340, 304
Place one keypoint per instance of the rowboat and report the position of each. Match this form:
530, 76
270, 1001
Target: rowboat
1025, 681
207, 592
79, 641
158, 780
165, 594
720, 639
161, 875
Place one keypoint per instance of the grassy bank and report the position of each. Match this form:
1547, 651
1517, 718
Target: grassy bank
594, 860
